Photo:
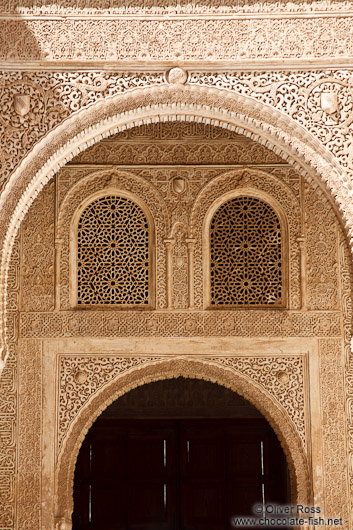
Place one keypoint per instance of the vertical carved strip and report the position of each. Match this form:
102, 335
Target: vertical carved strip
38, 260
29, 440
191, 245
334, 432
302, 247
345, 270
180, 269
58, 246
169, 271
322, 252
8, 400
301, 244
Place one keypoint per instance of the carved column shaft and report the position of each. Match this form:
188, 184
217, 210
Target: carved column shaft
169, 243
191, 244
58, 246
303, 287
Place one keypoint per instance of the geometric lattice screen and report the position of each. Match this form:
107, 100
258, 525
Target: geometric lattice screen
113, 253
246, 260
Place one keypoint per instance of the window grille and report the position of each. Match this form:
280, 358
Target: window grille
246, 254
113, 253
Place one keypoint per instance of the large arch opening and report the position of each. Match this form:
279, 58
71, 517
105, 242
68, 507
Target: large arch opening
176, 454
283, 419
160, 104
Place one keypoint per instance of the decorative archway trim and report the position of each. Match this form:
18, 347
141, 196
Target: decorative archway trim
189, 368
214, 106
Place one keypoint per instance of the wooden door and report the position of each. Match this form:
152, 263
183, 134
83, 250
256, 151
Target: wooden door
176, 474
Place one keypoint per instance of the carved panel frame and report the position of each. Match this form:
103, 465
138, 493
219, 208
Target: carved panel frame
97, 184
246, 192
119, 366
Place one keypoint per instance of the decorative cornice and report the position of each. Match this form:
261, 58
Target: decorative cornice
187, 40
172, 8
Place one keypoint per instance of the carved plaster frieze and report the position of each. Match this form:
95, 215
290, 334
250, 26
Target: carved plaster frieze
169, 324
168, 39
171, 7
54, 96
52, 101
299, 95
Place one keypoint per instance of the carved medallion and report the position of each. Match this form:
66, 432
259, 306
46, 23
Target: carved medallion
329, 102
177, 76
21, 103
179, 185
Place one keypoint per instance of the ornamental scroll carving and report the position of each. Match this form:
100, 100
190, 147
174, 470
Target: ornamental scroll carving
299, 95
55, 96
80, 377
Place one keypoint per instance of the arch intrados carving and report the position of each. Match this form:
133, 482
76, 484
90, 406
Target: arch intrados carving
194, 369
206, 240
245, 192
213, 106
231, 174
69, 202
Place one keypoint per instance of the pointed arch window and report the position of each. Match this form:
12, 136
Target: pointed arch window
246, 255
113, 261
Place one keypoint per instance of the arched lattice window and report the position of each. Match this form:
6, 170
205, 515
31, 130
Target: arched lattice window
113, 253
246, 254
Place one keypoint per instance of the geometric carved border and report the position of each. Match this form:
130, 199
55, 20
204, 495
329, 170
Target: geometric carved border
245, 323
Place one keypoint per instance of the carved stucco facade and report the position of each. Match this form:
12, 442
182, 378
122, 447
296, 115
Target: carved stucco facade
235, 119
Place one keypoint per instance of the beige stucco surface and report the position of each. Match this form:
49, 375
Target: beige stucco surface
231, 99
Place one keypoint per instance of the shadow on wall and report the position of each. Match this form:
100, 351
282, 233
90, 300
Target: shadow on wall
18, 42
181, 398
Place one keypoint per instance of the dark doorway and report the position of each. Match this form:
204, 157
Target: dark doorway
177, 455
